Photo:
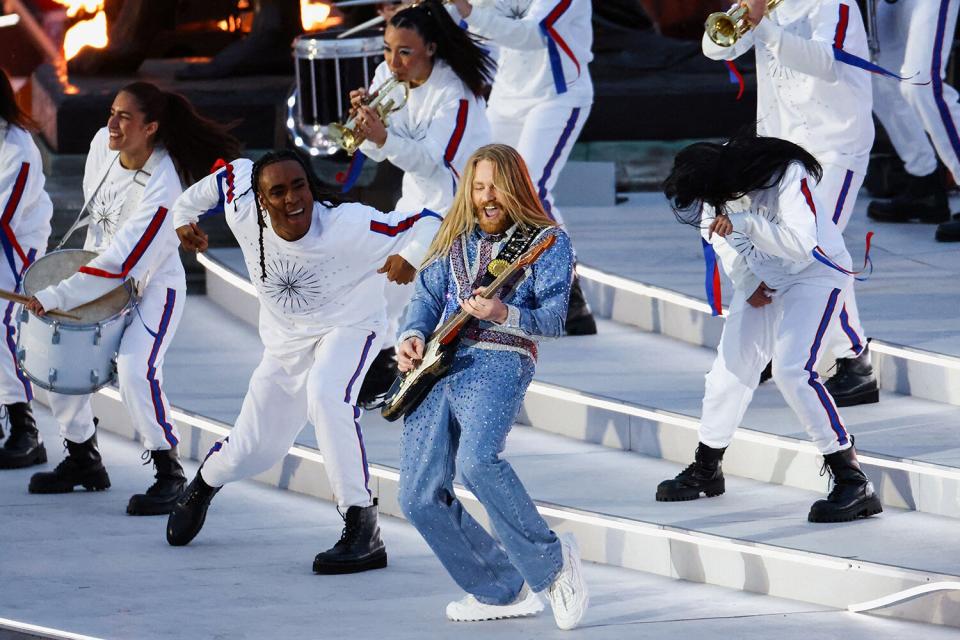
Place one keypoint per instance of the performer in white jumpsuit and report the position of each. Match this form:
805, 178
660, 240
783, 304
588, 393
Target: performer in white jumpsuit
322, 320
131, 180
25, 212
807, 96
790, 269
921, 114
443, 122
542, 93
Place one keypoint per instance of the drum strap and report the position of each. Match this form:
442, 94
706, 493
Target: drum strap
130, 203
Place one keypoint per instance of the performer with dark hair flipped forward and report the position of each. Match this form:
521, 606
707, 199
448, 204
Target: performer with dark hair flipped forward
154, 141
314, 265
464, 420
754, 201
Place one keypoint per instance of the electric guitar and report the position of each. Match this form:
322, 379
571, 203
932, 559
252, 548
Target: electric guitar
410, 388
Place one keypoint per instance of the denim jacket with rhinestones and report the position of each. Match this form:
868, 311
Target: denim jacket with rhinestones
536, 305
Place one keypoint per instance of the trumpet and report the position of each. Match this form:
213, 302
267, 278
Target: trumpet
725, 28
346, 136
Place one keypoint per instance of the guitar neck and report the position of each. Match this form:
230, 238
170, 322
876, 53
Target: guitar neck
455, 322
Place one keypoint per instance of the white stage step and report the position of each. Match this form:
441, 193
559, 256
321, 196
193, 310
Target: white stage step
641, 391
755, 538
76, 564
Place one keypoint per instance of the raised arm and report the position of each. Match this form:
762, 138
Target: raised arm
835, 24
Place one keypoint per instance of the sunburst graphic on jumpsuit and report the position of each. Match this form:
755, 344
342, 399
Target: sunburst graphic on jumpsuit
291, 285
742, 244
517, 10
105, 212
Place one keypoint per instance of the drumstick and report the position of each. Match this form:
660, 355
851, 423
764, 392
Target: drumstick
372, 22
16, 297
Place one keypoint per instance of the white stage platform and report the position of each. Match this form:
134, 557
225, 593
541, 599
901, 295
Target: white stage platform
609, 417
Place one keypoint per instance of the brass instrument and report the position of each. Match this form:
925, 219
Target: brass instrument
346, 136
725, 28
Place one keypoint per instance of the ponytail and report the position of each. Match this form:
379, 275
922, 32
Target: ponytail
194, 142
9, 109
455, 46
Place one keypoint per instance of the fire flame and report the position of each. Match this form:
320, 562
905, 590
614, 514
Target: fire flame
315, 15
91, 32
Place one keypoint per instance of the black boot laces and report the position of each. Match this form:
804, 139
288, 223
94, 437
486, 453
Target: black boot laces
147, 459
349, 532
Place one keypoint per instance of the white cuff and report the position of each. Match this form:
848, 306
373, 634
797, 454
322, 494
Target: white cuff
767, 32
49, 298
739, 221
413, 333
513, 318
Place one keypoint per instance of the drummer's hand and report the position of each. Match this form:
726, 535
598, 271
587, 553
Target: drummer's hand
398, 270
34, 306
192, 237
409, 354
357, 98
370, 126
464, 8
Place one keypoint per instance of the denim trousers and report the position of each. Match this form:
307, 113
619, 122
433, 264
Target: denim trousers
463, 424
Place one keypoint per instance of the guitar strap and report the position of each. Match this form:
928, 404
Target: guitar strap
520, 240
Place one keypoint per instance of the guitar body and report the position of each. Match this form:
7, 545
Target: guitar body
409, 390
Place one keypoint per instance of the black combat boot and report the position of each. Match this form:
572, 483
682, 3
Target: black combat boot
854, 382
580, 320
190, 511
924, 198
359, 548
82, 466
703, 476
383, 371
162, 494
24, 447
949, 231
852, 495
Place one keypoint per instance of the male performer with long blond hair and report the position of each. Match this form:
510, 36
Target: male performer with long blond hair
464, 420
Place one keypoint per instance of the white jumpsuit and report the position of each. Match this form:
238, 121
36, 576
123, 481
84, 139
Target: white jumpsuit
806, 96
25, 212
322, 321
135, 239
776, 231
915, 37
542, 93
430, 139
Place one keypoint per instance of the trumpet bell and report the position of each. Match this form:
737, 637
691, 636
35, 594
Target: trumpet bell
721, 29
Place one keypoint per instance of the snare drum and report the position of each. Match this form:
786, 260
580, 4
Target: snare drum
327, 70
67, 356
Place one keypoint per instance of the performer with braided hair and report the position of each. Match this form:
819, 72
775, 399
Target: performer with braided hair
314, 264
154, 141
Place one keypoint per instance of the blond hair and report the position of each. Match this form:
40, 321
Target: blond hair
515, 192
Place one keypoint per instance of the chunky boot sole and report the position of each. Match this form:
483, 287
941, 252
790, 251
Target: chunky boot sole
683, 494
374, 561
869, 507
39, 456
863, 397
96, 481
141, 508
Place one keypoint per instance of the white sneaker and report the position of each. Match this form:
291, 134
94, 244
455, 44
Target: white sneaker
568, 593
469, 609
